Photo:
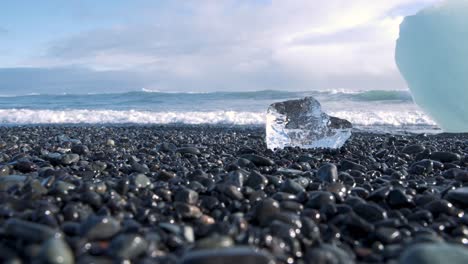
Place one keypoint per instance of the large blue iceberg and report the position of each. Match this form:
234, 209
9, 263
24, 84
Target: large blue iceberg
432, 55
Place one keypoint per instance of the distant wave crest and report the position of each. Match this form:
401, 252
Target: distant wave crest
377, 95
371, 95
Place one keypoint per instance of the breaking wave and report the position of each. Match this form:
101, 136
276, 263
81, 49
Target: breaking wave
358, 118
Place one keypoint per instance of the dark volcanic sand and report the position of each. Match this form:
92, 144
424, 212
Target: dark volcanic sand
198, 194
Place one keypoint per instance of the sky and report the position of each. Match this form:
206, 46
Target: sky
89, 46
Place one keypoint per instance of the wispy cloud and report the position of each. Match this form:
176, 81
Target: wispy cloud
231, 44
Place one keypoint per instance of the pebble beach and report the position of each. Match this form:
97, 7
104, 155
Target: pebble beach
202, 194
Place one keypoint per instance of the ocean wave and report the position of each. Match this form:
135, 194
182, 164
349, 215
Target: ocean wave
341, 94
358, 118
383, 95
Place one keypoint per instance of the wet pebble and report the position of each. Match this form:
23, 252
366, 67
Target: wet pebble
432, 253
68, 159
459, 195
100, 227
149, 194
29, 231
444, 156
259, 160
231, 255
328, 173
56, 251
127, 246
265, 210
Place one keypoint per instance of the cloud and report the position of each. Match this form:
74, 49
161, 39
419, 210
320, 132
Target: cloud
232, 44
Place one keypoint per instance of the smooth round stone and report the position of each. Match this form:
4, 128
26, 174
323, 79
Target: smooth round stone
110, 142
459, 196
441, 207
289, 172
413, 149
25, 166
435, 253
100, 227
209, 202
80, 149
359, 192
357, 226
233, 192
56, 251
244, 163
326, 254
259, 160
188, 150
71, 228
166, 147
185, 195
457, 174
379, 194
35, 189
140, 168
265, 210
421, 215
233, 255
8, 181
215, 241
444, 156
397, 198
98, 166
188, 234
4, 170
92, 198
349, 165
388, 235
236, 178
422, 166
328, 173
54, 157
63, 187
291, 186
318, 199
370, 212
338, 189
256, 181
68, 159
100, 187
128, 246
171, 228
310, 228
187, 211
29, 231
291, 206
166, 175
141, 181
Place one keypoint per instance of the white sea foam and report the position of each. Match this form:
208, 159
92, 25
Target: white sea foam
26, 116
372, 118
358, 118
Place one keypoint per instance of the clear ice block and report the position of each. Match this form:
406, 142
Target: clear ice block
302, 123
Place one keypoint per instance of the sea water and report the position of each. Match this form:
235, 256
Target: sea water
368, 110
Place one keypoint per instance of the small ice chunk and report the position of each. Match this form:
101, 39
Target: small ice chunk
432, 55
301, 123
